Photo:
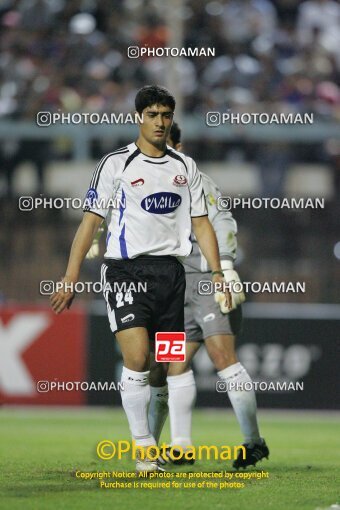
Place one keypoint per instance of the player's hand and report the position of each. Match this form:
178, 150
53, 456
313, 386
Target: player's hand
63, 297
223, 298
231, 276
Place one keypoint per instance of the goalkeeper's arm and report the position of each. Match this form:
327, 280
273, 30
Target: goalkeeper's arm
226, 230
94, 250
236, 291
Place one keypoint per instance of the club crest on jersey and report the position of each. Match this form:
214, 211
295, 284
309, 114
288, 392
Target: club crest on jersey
137, 182
180, 180
161, 203
91, 196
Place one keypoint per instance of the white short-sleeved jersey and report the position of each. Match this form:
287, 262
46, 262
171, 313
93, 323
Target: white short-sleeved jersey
151, 201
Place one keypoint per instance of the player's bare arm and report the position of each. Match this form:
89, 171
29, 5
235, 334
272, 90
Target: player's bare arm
80, 246
207, 241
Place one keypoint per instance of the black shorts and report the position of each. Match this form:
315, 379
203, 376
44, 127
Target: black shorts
147, 291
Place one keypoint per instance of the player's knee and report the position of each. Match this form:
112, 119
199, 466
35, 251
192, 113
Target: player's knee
222, 358
177, 368
139, 362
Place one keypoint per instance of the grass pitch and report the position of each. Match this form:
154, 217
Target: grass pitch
41, 449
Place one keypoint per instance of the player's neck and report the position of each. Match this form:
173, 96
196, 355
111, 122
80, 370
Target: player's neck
149, 149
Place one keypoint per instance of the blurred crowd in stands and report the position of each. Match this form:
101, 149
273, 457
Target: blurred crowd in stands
73, 54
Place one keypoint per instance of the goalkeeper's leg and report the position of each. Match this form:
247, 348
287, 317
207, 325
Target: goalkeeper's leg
180, 389
182, 397
158, 409
221, 349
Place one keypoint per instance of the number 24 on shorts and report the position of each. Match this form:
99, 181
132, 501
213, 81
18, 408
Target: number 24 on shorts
123, 297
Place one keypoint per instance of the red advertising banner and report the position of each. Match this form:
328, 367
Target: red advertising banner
42, 356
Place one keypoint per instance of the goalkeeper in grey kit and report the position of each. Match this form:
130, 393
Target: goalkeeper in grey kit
205, 323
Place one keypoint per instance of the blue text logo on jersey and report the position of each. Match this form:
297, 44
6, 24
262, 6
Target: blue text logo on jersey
161, 203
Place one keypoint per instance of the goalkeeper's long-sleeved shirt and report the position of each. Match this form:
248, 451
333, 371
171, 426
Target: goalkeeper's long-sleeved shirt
225, 228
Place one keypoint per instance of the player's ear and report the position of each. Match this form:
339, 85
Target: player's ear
139, 117
178, 147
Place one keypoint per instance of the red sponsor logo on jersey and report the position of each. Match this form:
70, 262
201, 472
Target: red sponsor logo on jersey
170, 346
180, 180
137, 182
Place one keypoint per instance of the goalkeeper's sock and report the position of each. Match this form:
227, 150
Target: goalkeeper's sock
182, 397
135, 399
158, 410
242, 400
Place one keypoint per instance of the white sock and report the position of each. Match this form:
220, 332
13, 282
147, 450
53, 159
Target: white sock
182, 397
158, 410
243, 401
135, 400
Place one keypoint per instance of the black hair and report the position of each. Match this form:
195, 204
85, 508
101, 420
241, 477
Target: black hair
175, 133
153, 94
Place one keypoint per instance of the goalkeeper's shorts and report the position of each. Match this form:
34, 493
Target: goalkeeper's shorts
202, 315
147, 291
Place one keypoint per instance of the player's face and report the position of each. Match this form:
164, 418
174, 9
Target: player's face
157, 121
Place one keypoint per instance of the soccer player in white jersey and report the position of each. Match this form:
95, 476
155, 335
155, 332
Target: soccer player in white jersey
204, 323
161, 199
